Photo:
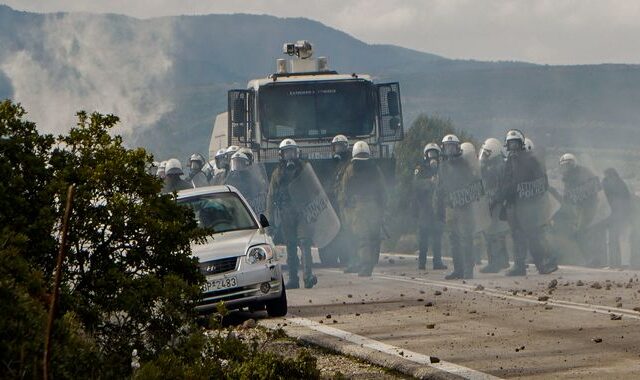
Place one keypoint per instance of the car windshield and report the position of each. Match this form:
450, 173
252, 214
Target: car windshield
316, 109
222, 212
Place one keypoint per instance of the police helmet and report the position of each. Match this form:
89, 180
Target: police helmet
514, 141
528, 144
361, 151
173, 166
431, 150
569, 160
289, 150
451, 145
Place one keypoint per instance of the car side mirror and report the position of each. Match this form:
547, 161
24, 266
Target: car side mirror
264, 222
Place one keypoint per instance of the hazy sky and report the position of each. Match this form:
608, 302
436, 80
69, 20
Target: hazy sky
545, 31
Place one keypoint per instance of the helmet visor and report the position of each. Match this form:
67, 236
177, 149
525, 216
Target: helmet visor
196, 166
222, 162
239, 163
339, 147
485, 154
289, 154
514, 145
451, 148
432, 153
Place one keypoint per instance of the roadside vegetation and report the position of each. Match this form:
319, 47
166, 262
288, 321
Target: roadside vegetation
129, 281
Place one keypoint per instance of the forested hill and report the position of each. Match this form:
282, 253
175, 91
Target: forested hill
167, 78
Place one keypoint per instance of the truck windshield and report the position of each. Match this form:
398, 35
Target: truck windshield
316, 109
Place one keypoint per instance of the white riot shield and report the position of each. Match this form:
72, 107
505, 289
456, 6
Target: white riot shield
316, 213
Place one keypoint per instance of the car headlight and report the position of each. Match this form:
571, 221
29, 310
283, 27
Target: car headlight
259, 253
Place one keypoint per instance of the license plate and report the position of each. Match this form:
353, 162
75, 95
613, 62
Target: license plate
219, 284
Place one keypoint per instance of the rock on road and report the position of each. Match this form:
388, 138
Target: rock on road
582, 325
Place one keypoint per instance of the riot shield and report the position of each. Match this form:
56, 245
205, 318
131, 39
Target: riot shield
471, 200
199, 180
584, 195
536, 211
252, 185
316, 213
481, 215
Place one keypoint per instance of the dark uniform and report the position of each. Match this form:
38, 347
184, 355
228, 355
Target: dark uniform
492, 170
220, 177
458, 188
286, 218
525, 195
362, 201
580, 200
173, 182
622, 214
430, 227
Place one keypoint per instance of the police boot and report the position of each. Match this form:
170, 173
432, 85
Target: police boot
491, 267
292, 265
422, 260
307, 261
518, 269
455, 275
549, 267
310, 281
470, 261
438, 264
494, 265
294, 282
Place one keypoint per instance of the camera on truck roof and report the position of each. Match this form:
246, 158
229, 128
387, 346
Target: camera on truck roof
302, 49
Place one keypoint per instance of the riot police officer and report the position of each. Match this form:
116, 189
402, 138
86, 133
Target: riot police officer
338, 249
622, 217
222, 164
524, 198
459, 187
248, 181
582, 202
196, 175
287, 218
173, 177
430, 228
491, 170
362, 200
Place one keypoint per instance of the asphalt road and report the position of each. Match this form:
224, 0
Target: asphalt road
583, 327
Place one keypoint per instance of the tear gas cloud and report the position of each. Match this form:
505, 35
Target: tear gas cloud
81, 63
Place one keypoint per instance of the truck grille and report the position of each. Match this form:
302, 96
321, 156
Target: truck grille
218, 266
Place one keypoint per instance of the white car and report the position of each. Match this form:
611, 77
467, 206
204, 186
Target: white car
239, 261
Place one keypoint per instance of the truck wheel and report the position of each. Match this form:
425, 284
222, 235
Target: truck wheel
328, 257
278, 306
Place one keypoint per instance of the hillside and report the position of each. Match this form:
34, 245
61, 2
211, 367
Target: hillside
167, 78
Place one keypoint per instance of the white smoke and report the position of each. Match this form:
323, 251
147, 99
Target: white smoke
93, 63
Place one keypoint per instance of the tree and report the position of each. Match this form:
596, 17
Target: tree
129, 279
26, 243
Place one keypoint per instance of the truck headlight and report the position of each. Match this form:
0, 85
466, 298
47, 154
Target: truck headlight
259, 253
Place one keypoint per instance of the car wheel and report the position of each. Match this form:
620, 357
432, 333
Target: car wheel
278, 306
